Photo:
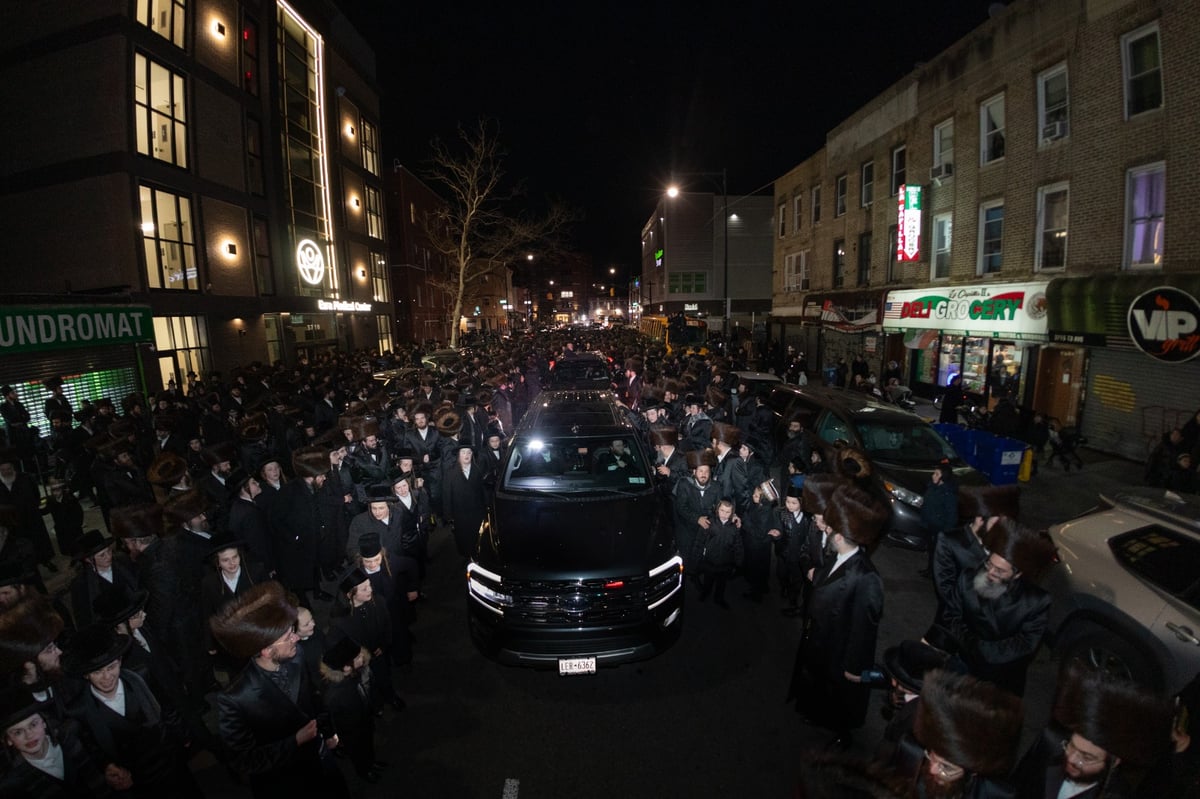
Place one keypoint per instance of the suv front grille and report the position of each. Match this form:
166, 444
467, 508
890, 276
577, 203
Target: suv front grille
578, 602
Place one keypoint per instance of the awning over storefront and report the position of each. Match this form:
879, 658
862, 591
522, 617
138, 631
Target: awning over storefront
849, 311
1014, 311
1095, 311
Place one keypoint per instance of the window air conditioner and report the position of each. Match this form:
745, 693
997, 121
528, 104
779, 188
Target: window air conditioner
1055, 130
943, 170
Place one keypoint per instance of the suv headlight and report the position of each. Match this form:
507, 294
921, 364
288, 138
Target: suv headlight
904, 495
487, 588
665, 579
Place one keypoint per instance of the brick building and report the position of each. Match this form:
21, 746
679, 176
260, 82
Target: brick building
1042, 156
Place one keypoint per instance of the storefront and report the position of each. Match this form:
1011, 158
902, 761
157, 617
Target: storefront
988, 335
1141, 335
93, 348
839, 325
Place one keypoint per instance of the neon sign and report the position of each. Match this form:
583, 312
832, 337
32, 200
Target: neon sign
310, 261
908, 226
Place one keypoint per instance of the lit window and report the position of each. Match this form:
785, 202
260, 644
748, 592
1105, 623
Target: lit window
795, 271
165, 17
384, 323
370, 147
181, 344
167, 233
991, 130
839, 263
991, 237
1145, 190
943, 234
159, 112
374, 212
380, 290
1143, 70
1052, 227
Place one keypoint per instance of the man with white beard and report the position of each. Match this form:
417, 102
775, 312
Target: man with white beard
997, 613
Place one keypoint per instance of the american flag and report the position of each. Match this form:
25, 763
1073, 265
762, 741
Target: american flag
891, 310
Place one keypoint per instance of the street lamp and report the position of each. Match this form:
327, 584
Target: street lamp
673, 191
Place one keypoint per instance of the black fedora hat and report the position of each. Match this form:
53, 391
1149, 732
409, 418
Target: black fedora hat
17, 704
116, 604
93, 648
351, 579
92, 542
379, 492
224, 541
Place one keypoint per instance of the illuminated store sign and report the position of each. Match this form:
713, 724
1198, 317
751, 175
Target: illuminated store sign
343, 305
310, 261
1003, 310
53, 327
908, 223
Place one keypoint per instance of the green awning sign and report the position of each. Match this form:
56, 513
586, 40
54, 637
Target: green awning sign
57, 327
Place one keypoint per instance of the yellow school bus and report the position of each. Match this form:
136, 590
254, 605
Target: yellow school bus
679, 334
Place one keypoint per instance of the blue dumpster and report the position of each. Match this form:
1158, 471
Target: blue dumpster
956, 434
980, 444
1005, 460
831, 375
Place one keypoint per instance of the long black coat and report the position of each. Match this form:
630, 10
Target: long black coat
957, 551
248, 522
258, 723
83, 776
26, 499
389, 534
348, 700
692, 502
464, 504
841, 626
297, 525
87, 584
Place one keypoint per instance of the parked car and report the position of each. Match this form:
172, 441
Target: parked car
437, 358
394, 381
585, 370
903, 447
575, 565
1127, 589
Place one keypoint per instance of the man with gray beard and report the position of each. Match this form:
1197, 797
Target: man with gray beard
997, 613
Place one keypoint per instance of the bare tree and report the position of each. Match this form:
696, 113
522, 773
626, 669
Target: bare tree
476, 230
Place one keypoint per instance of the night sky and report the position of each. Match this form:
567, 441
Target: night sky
596, 104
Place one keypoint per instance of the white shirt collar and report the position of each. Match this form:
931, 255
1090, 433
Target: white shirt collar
232, 581
117, 703
842, 558
52, 763
105, 574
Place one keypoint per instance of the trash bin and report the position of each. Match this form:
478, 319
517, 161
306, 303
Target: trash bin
956, 434
1005, 460
980, 444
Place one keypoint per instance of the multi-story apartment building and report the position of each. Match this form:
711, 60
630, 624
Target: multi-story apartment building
187, 185
422, 309
688, 251
1041, 157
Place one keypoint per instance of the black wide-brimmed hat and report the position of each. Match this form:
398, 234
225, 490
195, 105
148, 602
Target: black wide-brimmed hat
116, 604
351, 579
379, 492
342, 653
224, 541
90, 543
16, 705
93, 648
909, 661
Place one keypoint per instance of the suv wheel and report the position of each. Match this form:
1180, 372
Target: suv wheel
1108, 652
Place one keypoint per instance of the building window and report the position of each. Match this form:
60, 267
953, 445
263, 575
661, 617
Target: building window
991, 237
839, 263
249, 55
1052, 207
1143, 70
867, 184
864, 259
159, 116
181, 344
839, 196
379, 278
165, 17
991, 129
943, 150
168, 235
943, 235
274, 337
1145, 204
795, 271
797, 212
370, 147
782, 220
1053, 104
384, 323
374, 212
816, 204
262, 257
687, 283
899, 162
893, 265
254, 159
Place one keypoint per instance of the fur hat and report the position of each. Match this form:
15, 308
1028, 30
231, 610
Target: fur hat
1122, 718
969, 722
164, 422
93, 648
364, 426
728, 434
701, 457
1030, 551
143, 520
856, 514
447, 421
341, 654
379, 492
310, 461
988, 501
853, 464
715, 396
182, 508
405, 452
25, 630
665, 437
218, 454
167, 469
909, 661
253, 428
116, 604
253, 621
818, 488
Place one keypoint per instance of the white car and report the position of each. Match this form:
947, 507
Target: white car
1127, 589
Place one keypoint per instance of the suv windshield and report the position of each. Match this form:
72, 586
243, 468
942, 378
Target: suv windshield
571, 464
899, 441
582, 373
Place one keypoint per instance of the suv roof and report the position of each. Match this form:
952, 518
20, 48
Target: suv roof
850, 402
574, 413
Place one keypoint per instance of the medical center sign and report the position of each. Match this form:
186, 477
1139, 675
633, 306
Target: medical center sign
1003, 310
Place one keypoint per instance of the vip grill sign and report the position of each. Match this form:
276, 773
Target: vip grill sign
56, 327
1164, 323
908, 224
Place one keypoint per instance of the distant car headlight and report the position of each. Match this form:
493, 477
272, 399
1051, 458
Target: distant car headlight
904, 495
487, 588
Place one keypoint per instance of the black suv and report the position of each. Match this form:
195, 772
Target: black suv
903, 447
576, 564
582, 371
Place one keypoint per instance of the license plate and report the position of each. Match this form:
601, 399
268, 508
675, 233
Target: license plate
577, 666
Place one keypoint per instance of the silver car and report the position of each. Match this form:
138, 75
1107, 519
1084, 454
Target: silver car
1127, 593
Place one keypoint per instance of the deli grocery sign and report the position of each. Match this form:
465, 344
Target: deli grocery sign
992, 310
57, 327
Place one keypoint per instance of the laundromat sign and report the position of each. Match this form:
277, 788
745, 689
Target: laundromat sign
56, 327
1164, 323
1002, 310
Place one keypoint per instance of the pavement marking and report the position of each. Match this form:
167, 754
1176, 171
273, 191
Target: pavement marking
511, 789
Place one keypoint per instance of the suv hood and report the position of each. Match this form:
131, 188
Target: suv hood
916, 478
536, 538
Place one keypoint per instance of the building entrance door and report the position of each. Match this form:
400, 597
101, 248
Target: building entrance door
1059, 381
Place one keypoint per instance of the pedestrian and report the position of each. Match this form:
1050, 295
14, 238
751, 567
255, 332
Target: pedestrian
760, 528
695, 505
952, 399
97, 566
464, 499
47, 758
20, 491
297, 524
66, 512
346, 693
720, 553
939, 509
359, 615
